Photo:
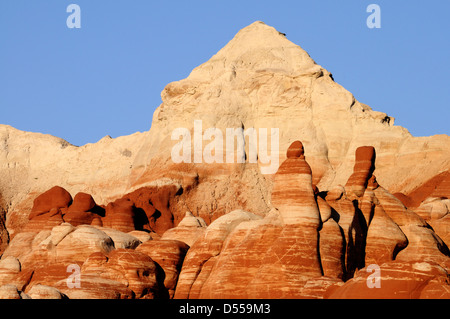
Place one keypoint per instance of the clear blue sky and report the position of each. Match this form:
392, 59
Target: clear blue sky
106, 78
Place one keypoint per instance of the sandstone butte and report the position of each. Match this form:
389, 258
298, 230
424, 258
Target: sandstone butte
359, 208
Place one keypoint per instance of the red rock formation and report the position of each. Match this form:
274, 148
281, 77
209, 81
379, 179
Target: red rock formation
55, 198
438, 186
48, 209
120, 215
288, 255
45, 292
384, 238
93, 286
406, 200
44, 221
133, 268
82, 202
81, 211
362, 171
4, 235
9, 268
147, 208
305, 247
370, 217
293, 193
232, 273
169, 254
441, 227
396, 210
296, 234
342, 235
48, 274
188, 230
9, 291
394, 280
153, 205
332, 249
206, 247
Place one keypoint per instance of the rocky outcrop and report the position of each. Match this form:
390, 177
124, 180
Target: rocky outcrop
355, 203
134, 269
169, 255
259, 80
395, 280
202, 253
362, 171
312, 244
4, 235
356, 230
83, 210
188, 230
436, 187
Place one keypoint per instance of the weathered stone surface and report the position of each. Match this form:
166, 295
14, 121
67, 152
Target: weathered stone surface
188, 230
9, 292
56, 197
332, 249
424, 245
4, 235
206, 247
81, 211
95, 287
143, 236
295, 234
384, 239
153, 211
231, 274
82, 242
362, 171
292, 193
121, 239
9, 268
435, 187
133, 269
289, 255
169, 255
120, 215
397, 280
44, 292
258, 80
441, 227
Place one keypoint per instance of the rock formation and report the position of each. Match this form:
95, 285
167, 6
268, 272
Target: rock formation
358, 208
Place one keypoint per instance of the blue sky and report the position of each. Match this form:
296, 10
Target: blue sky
106, 77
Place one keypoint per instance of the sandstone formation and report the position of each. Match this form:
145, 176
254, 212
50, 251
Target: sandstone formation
169, 254
305, 251
259, 80
81, 211
398, 281
188, 230
362, 171
356, 208
312, 244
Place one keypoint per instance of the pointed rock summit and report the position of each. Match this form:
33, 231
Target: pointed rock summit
256, 47
260, 80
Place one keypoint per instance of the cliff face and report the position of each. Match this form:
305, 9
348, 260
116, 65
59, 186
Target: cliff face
303, 200
259, 80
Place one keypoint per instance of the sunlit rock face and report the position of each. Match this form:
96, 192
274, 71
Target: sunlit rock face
353, 200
